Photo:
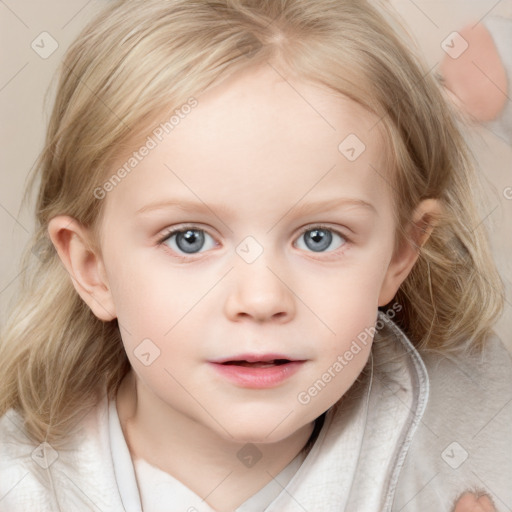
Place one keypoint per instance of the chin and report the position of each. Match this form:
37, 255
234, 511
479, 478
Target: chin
259, 431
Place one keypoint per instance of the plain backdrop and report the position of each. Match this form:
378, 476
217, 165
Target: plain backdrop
25, 77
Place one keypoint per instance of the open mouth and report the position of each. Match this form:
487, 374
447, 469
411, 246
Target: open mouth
257, 373
258, 364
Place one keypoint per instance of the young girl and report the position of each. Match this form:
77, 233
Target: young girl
259, 279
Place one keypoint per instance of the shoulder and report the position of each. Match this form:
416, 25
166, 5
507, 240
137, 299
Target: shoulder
464, 440
42, 478
17, 482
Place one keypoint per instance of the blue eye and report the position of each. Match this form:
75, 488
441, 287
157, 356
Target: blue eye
188, 240
318, 239
192, 240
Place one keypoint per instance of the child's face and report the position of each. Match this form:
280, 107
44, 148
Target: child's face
240, 169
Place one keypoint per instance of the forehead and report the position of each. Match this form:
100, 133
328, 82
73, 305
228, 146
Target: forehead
262, 135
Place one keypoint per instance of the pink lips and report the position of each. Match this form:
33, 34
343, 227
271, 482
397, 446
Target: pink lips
257, 371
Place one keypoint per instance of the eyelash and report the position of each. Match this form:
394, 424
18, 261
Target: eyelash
171, 231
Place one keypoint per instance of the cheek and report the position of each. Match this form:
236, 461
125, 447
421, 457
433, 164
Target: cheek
348, 308
349, 297
351, 343
157, 314
339, 365
148, 296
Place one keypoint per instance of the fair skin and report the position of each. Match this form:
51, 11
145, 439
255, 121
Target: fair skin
477, 80
471, 502
255, 152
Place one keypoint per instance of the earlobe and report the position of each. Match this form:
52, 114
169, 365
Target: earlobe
73, 243
419, 230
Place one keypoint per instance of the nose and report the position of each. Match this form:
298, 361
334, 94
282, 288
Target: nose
260, 293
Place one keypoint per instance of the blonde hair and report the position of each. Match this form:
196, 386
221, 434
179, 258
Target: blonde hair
141, 58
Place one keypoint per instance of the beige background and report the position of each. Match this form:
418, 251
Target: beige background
25, 77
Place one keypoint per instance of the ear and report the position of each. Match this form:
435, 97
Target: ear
402, 262
74, 245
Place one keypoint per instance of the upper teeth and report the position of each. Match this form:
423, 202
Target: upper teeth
259, 364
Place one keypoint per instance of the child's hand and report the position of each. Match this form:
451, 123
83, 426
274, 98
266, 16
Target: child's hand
470, 502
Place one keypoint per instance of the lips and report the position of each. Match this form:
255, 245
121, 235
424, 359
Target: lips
256, 360
257, 371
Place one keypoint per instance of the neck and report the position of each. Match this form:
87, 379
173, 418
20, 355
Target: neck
179, 445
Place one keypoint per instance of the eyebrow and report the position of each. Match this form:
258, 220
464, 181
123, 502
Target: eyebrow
333, 204
304, 209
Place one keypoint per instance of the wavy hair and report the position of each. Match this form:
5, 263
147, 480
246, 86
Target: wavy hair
141, 58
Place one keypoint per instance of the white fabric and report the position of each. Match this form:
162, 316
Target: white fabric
464, 440
382, 450
158, 489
